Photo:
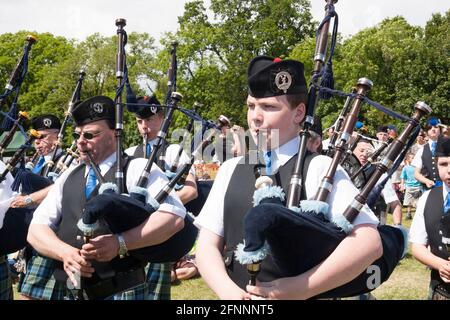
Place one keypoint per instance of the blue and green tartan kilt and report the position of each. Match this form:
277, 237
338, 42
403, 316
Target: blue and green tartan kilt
157, 286
159, 281
39, 282
6, 292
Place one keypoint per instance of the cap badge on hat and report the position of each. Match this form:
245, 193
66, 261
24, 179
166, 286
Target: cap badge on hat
153, 109
98, 107
47, 122
283, 81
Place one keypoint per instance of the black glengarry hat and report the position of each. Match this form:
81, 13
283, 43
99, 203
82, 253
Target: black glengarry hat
150, 106
269, 77
94, 109
382, 128
45, 122
442, 147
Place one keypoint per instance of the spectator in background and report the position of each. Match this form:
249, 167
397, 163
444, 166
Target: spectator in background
420, 142
424, 161
411, 187
326, 142
315, 140
392, 131
390, 199
230, 143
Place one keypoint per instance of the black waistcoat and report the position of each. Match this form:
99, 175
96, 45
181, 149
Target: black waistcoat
429, 168
160, 155
238, 200
437, 225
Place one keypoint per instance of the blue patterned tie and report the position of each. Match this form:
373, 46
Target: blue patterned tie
39, 165
90, 183
149, 149
447, 204
268, 162
433, 147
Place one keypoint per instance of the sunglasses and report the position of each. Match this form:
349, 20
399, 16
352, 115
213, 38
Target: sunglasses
42, 137
86, 135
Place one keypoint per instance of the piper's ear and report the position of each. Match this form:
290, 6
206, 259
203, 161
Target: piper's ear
300, 112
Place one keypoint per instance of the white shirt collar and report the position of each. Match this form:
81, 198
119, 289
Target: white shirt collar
445, 190
152, 142
430, 142
284, 153
104, 166
48, 157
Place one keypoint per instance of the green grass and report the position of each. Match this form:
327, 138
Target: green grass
409, 281
192, 289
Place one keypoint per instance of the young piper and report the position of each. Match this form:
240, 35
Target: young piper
431, 227
276, 107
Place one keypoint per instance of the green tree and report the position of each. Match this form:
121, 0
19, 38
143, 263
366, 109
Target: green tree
54, 67
433, 74
216, 45
405, 63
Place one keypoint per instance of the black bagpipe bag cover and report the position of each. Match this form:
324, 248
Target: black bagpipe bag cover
13, 235
122, 212
300, 241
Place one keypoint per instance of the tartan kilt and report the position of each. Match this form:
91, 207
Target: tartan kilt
39, 282
159, 281
6, 292
157, 286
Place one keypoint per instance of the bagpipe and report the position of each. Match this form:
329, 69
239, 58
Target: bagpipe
120, 212
31, 163
67, 159
16, 221
76, 97
172, 171
110, 207
18, 123
338, 124
299, 235
18, 74
31, 182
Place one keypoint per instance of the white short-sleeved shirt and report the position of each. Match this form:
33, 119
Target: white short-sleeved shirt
211, 216
388, 192
170, 155
417, 232
417, 161
6, 194
50, 210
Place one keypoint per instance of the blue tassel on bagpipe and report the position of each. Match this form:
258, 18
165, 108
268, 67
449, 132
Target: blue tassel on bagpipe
327, 79
9, 119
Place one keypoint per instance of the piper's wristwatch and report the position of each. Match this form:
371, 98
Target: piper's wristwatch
28, 200
123, 251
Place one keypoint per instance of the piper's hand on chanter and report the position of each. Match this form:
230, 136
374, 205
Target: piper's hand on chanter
280, 289
75, 264
103, 248
444, 271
